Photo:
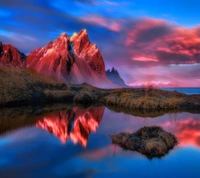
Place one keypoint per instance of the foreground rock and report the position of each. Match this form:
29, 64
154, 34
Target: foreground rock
150, 141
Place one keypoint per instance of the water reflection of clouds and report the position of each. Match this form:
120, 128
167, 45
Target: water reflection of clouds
187, 131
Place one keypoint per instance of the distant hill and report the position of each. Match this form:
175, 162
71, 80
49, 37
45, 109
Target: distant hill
114, 76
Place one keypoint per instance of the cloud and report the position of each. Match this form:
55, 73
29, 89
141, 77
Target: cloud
104, 22
169, 43
145, 58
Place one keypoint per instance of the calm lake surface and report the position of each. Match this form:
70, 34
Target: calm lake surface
65, 141
188, 91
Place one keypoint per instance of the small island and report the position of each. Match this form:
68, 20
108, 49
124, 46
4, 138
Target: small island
149, 141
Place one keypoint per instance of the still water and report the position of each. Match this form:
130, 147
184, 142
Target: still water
188, 91
65, 141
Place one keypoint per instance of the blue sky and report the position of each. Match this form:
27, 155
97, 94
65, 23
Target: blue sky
145, 40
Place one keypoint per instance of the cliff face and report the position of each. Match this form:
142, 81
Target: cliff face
114, 76
87, 51
54, 60
69, 59
9, 55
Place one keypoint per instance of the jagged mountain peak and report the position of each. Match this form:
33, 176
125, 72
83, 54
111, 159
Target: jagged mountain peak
87, 51
63, 35
82, 34
9, 55
113, 70
70, 59
114, 76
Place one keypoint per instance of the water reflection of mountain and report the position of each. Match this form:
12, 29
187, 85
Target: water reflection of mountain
68, 122
75, 124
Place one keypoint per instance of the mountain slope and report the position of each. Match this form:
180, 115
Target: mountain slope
71, 60
87, 51
9, 55
114, 76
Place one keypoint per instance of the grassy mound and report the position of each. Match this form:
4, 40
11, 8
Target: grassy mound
24, 86
150, 141
150, 99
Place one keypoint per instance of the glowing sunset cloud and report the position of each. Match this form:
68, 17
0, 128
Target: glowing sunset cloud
145, 59
107, 23
152, 83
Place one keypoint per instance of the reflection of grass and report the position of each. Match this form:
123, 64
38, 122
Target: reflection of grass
18, 117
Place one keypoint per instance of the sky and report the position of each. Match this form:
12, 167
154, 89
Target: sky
147, 41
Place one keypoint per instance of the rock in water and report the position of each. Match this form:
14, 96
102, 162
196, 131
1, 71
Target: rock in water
150, 141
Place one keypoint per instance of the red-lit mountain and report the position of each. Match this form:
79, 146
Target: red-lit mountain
70, 59
75, 124
9, 55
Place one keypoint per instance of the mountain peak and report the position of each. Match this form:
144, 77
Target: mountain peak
63, 35
114, 76
70, 59
73, 37
9, 55
83, 32
87, 51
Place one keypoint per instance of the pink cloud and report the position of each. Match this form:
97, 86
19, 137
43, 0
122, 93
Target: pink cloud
169, 43
140, 26
145, 58
104, 22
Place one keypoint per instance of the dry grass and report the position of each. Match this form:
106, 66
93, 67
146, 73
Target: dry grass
21, 86
24, 85
149, 99
150, 141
